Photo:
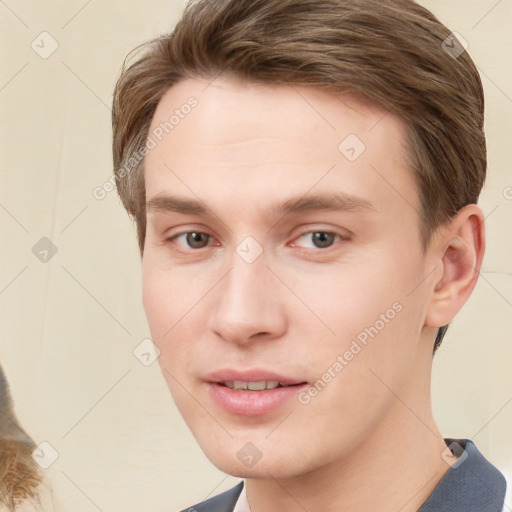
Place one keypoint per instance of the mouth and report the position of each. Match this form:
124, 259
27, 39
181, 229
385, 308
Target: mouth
261, 385
251, 393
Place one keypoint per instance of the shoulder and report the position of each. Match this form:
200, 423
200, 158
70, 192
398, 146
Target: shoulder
224, 502
508, 494
471, 484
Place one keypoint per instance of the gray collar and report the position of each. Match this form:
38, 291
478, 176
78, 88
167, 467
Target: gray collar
472, 484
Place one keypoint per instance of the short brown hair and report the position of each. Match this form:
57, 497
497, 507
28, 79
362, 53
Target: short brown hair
395, 52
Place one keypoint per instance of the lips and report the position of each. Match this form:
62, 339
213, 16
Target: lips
226, 376
253, 392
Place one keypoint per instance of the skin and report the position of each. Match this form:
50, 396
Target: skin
244, 148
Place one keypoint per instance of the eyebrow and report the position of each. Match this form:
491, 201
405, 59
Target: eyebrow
312, 202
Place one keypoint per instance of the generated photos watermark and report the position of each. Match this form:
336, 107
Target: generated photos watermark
356, 346
154, 138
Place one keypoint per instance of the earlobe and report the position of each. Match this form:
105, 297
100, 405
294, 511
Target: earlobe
460, 249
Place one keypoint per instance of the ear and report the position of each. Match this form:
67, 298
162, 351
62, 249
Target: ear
458, 249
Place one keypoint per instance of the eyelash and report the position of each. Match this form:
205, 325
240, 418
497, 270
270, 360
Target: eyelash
306, 250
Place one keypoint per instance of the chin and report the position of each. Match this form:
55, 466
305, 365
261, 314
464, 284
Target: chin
262, 469
244, 459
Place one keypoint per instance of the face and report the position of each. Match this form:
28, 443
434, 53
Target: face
282, 249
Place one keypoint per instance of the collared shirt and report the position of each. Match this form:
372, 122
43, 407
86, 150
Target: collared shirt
472, 484
242, 505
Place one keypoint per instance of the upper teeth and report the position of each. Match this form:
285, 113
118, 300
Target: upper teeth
253, 386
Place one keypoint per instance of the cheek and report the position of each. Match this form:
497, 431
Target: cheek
163, 305
166, 293
367, 311
172, 303
164, 300
349, 298
157, 302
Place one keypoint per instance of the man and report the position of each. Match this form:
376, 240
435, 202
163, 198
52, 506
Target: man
304, 178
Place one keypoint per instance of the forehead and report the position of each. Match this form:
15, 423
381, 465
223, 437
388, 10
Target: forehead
230, 111
262, 140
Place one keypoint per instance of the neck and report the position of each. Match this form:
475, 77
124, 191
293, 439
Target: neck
395, 468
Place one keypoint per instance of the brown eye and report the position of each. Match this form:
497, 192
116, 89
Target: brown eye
193, 239
197, 240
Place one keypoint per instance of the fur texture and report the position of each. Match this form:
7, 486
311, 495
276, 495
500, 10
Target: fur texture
19, 473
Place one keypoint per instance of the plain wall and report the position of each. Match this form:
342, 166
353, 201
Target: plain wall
69, 326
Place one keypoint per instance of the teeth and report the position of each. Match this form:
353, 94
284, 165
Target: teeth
258, 386
253, 386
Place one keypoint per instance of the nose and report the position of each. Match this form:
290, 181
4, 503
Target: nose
248, 303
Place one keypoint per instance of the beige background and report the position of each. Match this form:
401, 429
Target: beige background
69, 326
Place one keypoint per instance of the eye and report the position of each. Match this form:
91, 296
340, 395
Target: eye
193, 239
320, 239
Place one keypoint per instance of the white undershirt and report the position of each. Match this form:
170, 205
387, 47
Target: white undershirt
242, 505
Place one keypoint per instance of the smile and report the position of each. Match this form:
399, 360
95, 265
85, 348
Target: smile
254, 386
